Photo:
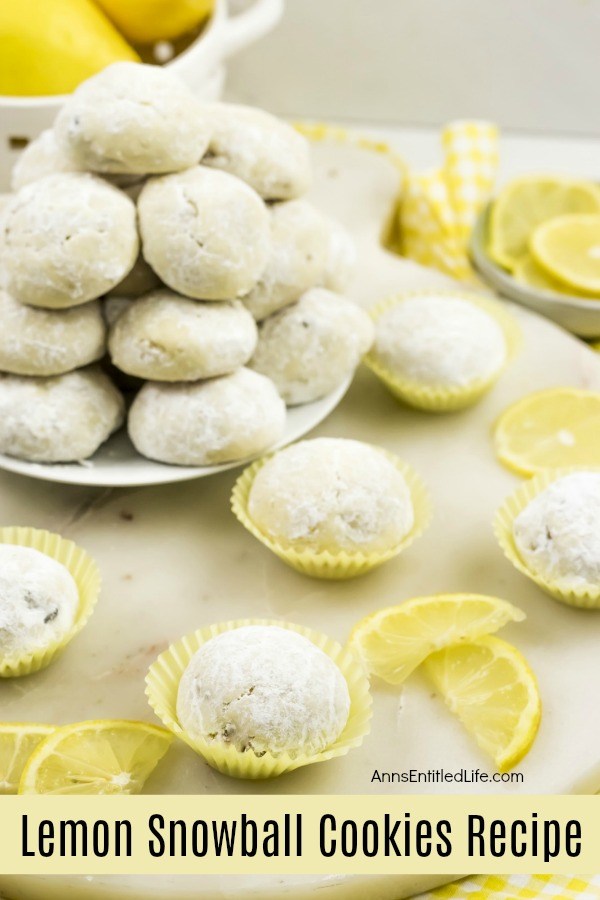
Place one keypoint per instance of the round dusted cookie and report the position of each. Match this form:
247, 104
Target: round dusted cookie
49, 342
298, 257
557, 534
309, 348
439, 341
135, 119
68, 238
332, 494
39, 601
64, 418
262, 150
166, 337
205, 233
266, 689
41, 157
207, 422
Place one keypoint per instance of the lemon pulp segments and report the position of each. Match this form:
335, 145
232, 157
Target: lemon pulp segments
18, 740
527, 202
490, 687
394, 641
527, 271
103, 757
550, 429
568, 247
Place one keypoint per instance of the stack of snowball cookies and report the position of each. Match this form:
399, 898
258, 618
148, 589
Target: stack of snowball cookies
159, 244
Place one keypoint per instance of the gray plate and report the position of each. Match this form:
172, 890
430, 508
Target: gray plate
582, 317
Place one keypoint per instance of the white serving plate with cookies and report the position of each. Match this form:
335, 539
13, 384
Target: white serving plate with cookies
173, 559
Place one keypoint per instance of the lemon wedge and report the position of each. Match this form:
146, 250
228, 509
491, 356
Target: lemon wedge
490, 687
550, 429
568, 248
528, 272
394, 641
18, 740
528, 202
101, 757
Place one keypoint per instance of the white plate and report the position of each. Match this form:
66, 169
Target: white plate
582, 317
118, 464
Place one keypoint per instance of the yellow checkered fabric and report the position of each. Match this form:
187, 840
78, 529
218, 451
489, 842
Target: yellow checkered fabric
438, 208
519, 887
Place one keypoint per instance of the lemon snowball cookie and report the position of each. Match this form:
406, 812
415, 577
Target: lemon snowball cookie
133, 119
166, 337
60, 419
205, 233
68, 238
309, 348
557, 534
37, 341
298, 259
263, 151
439, 341
332, 494
38, 601
207, 422
41, 157
263, 688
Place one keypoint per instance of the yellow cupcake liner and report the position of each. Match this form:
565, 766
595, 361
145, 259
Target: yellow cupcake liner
444, 399
86, 575
162, 685
328, 564
581, 597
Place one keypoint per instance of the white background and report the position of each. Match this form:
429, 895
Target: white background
531, 65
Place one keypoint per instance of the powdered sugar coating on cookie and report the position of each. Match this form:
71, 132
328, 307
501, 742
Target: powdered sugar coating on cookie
439, 341
297, 261
263, 688
166, 337
309, 348
133, 119
59, 419
205, 233
37, 341
259, 148
68, 238
332, 494
207, 422
38, 601
557, 535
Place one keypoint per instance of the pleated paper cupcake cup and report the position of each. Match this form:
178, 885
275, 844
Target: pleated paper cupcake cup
579, 596
86, 575
162, 686
333, 565
442, 399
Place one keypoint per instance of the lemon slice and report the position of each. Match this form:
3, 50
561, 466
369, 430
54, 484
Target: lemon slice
394, 641
102, 757
528, 272
527, 202
550, 429
568, 248
18, 740
490, 687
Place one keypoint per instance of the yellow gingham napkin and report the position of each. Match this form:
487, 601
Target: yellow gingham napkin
519, 887
438, 208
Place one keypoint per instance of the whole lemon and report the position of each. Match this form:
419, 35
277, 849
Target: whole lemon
148, 21
50, 46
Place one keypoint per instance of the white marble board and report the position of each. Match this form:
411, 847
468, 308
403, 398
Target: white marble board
174, 558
